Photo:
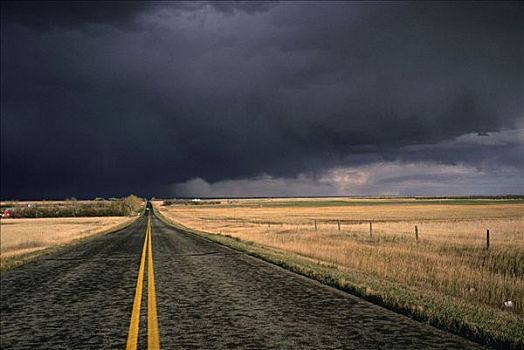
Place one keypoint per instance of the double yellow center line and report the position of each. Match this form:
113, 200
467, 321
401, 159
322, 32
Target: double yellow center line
152, 322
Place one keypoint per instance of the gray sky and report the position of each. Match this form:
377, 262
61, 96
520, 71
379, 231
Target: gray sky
261, 98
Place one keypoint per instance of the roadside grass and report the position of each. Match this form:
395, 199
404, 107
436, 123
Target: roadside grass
33, 249
447, 278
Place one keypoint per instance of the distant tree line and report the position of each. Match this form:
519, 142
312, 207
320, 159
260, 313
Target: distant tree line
128, 206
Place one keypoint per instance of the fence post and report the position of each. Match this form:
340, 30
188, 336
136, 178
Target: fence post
315, 225
338, 223
370, 229
416, 232
487, 239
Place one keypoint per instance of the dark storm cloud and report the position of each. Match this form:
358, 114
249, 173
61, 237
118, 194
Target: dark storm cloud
250, 7
44, 15
103, 99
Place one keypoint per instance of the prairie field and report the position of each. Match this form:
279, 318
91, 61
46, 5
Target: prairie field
449, 260
25, 236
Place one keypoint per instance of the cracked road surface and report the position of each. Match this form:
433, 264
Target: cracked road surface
207, 296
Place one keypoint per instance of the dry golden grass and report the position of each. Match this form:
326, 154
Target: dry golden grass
21, 236
449, 258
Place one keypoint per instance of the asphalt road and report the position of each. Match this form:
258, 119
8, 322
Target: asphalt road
208, 296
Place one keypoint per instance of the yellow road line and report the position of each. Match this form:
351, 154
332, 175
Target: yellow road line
153, 341
152, 322
132, 336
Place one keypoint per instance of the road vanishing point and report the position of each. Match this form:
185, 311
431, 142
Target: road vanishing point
151, 286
